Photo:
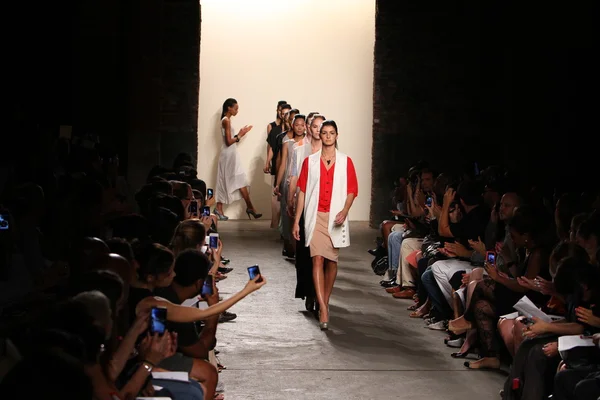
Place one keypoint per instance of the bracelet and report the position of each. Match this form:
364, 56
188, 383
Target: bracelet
148, 366
237, 138
149, 363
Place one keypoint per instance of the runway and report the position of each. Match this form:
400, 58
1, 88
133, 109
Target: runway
373, 350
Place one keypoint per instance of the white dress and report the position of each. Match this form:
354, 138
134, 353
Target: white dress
231, 177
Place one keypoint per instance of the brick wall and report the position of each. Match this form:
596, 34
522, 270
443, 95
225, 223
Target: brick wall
490, 82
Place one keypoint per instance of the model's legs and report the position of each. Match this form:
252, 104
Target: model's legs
220, 207
330, 275
246, 197
319, 280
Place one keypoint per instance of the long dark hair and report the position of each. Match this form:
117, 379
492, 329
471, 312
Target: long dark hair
228, 103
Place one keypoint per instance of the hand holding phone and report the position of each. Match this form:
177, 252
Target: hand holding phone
209, 193
206, 211
214, 240
207, 287
253, 272
490, 257
158, 320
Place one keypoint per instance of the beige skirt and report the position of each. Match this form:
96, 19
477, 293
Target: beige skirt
321, 244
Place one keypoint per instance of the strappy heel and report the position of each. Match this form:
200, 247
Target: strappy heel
252, 213
221, 217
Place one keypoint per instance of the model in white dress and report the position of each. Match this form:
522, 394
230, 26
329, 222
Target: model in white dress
232, 182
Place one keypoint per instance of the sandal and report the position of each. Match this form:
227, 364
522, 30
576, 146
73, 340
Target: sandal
412, 308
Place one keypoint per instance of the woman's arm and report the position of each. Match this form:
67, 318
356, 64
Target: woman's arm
281, 171
123, 352
178, 313
444, 220
534, 266
226, 124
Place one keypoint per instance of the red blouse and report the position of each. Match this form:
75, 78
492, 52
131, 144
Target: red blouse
326, 182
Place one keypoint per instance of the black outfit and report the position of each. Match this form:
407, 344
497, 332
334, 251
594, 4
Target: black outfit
471, 226
135, 296
187, 332
535, 371
304, 279
491, 299
272, 140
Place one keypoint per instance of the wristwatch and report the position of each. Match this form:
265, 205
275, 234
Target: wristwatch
237, 138
148, 366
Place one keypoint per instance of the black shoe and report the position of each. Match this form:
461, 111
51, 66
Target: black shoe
390, 283
379, 251
309, 303
227, 316
225, 261
224, 270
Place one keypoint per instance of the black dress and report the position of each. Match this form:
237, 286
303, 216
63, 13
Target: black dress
304, 279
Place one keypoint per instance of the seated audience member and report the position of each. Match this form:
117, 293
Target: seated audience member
510, 329
56, 376
588, 236
537, 358
497, 240
119, 361
567, 206
191, 269
496, 294
471, 226
404, 240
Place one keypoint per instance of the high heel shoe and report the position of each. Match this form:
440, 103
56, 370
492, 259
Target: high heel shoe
221, 217
252, 213
323, 325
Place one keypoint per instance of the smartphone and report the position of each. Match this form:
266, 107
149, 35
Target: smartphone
158, 320
429, 201
209, 193
253, 272
527, 321
204, 249
207, 288
4, 225
490, 257
206, 211
193, 208
214, 240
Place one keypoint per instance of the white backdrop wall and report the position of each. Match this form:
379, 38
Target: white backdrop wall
316, 54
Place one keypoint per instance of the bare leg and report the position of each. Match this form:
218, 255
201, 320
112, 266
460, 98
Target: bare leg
330, 275
220, 208
457, 305
208, 376
505, 328
246, 196
319, 280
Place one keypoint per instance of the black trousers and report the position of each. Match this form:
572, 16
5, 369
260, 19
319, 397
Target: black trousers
573, 384
534, 370
304, 277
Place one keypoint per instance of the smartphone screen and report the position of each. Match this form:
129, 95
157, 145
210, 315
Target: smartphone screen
490, 257
207, 288
429, 201
4, 225
214, 240
209, 193
193, 209
253, 272
206, 211
158, 320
